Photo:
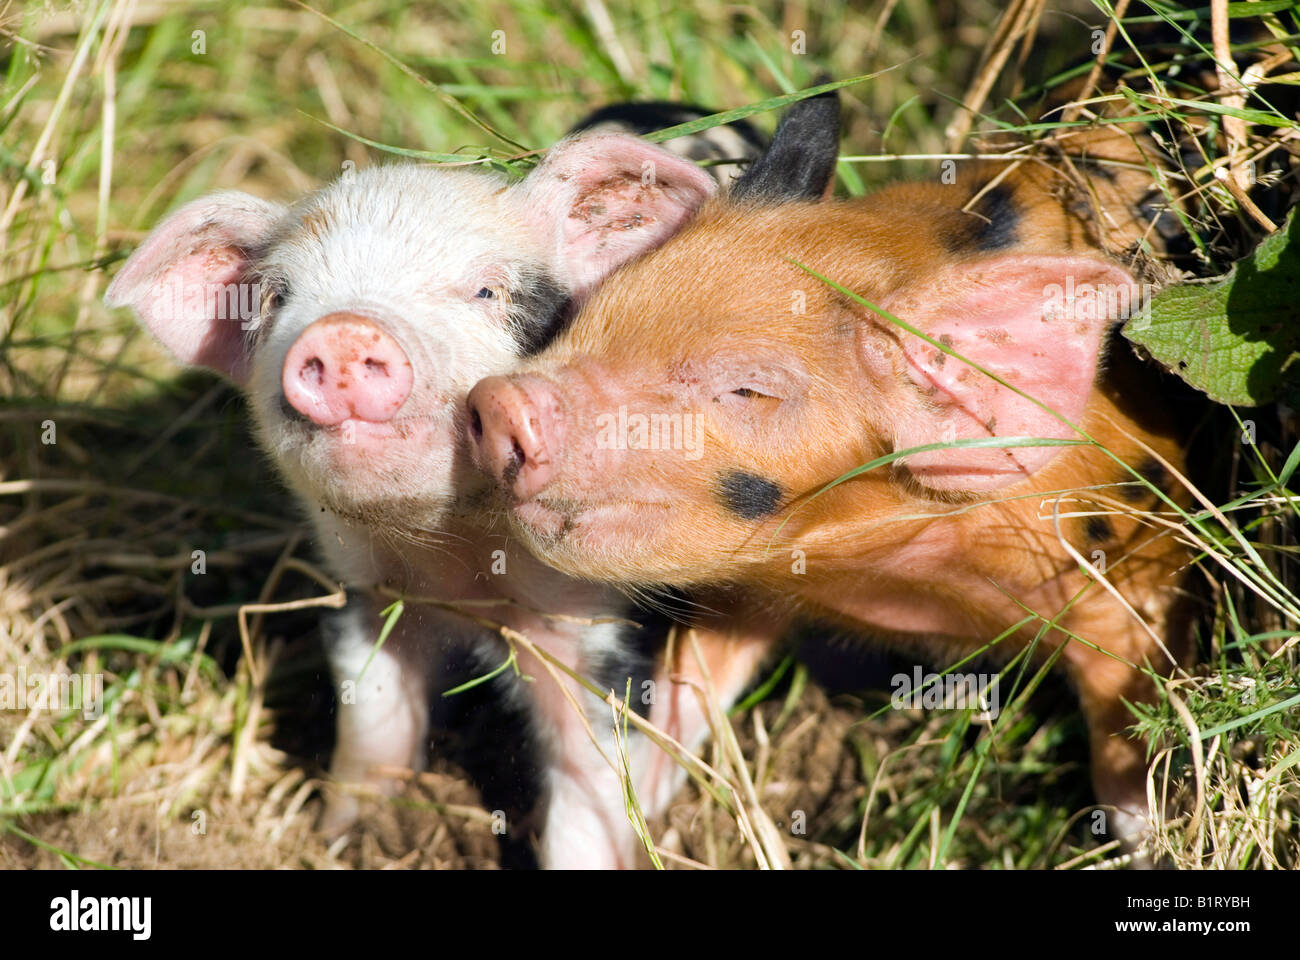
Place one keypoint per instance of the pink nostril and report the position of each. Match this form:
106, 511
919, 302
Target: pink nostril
345, 367
313, 371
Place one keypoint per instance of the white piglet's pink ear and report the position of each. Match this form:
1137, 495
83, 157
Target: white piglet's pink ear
1037, 322
190, 284
602, 199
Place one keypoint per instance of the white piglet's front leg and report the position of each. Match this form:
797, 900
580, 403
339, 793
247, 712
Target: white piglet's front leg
584, 825
587, 826
383, 706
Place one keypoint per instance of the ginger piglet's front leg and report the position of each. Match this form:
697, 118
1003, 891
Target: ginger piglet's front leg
1109, 678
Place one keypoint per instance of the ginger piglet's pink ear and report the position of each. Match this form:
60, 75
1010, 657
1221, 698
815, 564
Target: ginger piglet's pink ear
1037, 323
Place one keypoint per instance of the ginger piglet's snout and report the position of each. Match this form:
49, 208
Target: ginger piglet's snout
515, 431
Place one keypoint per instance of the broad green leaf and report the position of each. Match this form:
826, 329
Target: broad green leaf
1237, 338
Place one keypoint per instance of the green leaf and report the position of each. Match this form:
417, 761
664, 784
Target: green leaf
1237, 338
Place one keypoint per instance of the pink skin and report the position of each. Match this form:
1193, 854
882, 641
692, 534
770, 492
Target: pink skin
536, 437
362, 415
345, 367
605, 200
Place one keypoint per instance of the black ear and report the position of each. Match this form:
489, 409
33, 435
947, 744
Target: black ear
800, 163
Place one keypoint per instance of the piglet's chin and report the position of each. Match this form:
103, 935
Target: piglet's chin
591, 540
360, 466
541, 521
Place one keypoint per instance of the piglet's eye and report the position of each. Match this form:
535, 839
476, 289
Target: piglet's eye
273, 295
486, 293
748, 400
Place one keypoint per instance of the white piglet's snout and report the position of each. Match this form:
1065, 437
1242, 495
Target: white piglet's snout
344, 366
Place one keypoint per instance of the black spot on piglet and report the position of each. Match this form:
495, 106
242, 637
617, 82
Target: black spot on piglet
1099, 530
748, 495
993, 223
1002, 229
1154, 474
540, 309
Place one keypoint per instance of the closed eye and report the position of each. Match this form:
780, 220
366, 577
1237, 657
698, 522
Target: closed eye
749, 401
755, 386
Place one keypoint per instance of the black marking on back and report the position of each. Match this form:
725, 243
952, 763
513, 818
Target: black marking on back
633, 658
1094, 168
652, 115
800, 163
994, 223
1098, 530
748, 495
1153, 473
540, 310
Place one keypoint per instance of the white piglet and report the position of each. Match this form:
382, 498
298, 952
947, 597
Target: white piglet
356, 320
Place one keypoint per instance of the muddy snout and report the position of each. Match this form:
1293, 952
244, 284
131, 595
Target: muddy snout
346, 367
515, 431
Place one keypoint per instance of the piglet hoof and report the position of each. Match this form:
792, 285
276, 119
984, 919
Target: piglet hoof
340, 813
1137, 838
